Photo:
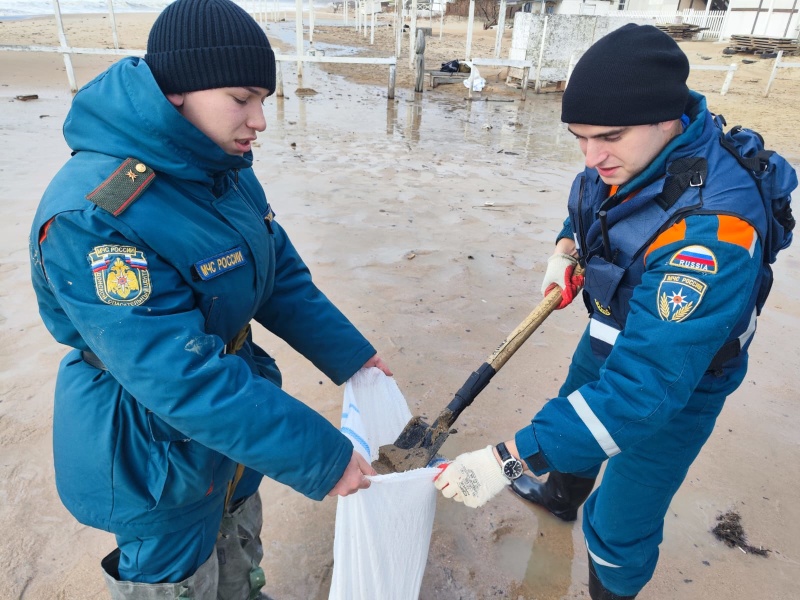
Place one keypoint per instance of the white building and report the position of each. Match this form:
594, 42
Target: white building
570, 7
773, 18
764, 18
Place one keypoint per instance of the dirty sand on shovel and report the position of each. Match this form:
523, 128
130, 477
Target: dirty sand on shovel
428, 220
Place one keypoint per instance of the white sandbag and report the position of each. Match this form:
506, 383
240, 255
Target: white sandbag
474, 81
374, 411
382, 534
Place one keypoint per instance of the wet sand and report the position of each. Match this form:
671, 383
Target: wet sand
428, 220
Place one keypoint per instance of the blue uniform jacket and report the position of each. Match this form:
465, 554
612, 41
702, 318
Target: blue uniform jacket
156, 292
679, 285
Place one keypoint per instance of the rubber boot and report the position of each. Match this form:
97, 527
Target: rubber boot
561, 494
239, 552
596, 589
200, 586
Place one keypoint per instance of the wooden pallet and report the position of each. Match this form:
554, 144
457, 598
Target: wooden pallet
545, 86
681, 31
763, 46
440, 77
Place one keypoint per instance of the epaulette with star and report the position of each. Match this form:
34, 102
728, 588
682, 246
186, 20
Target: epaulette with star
123, 187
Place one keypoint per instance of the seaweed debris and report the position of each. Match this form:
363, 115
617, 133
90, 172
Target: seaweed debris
729, 530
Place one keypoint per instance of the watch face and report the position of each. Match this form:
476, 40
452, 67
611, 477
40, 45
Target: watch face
512, 468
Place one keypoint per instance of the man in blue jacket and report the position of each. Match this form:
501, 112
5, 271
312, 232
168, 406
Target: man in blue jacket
152, 250
670, 230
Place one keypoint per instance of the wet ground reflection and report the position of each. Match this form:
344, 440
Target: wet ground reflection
539, 553
530, 128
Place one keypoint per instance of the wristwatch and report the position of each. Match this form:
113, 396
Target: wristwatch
512, 467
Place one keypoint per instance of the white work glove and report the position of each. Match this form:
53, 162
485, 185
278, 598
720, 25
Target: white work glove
473, 478
560, 272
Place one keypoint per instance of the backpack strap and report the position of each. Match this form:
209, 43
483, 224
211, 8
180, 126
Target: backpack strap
757, 163
123, 187
683, 173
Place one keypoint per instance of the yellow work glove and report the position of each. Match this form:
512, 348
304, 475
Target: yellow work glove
473, 478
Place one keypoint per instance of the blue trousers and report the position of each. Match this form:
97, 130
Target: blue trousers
172, 557
623, 519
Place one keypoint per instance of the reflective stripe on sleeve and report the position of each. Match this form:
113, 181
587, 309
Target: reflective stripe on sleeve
596, 428
748, 333
598, 560
604, 333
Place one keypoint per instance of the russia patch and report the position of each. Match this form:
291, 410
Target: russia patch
120, 275
696, 258
679, 296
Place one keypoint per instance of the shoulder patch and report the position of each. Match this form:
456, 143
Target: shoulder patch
120, 275
679, 296
123, 186
696, 258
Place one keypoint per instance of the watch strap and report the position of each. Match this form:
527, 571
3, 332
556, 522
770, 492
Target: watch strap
503, 451
511, 466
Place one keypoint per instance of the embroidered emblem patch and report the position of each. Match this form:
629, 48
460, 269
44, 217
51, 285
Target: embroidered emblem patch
602, 309
208, 268
679, 296
269, 216
697, 258
120, 274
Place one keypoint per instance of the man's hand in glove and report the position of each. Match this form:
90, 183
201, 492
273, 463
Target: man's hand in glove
560, 272
472, 478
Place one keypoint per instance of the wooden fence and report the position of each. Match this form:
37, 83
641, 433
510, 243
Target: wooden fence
711, 21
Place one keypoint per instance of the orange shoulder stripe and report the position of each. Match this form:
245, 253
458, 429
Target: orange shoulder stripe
736, 231
676, 233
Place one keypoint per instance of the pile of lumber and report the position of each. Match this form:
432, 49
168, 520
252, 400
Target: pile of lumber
681, 31
762, 46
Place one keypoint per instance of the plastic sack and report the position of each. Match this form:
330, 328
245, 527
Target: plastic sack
474, 81
383, 533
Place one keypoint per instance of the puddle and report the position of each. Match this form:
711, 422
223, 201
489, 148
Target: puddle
286, 34
534, 553
513, 130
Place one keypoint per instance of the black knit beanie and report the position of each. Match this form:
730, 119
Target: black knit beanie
206, 44
634, 75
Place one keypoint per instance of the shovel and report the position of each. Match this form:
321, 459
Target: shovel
419, 442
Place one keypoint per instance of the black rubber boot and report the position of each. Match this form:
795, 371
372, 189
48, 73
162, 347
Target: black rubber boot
596, 589
561, 494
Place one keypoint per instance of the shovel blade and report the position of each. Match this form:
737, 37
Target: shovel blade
416, 446
413, 433
392, 458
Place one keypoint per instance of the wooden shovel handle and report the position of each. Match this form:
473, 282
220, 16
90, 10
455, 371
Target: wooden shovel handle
524, 330
418, 443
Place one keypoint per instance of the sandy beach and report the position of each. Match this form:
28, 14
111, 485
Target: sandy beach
428, 219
